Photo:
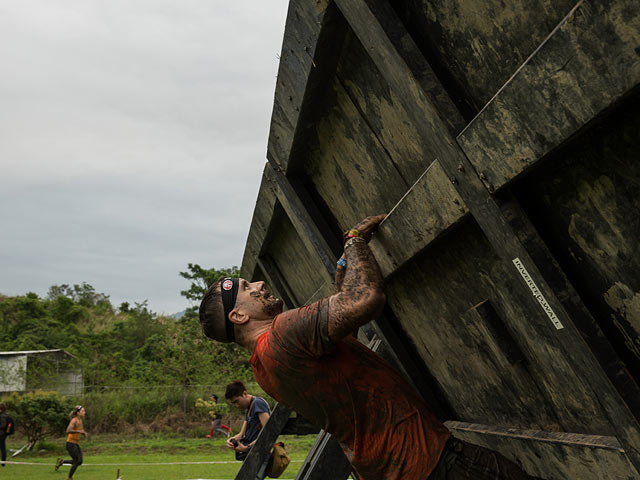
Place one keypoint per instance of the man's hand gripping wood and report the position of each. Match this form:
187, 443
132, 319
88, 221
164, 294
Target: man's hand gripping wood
359, 296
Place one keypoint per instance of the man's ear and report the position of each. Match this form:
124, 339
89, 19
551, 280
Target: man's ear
237, 317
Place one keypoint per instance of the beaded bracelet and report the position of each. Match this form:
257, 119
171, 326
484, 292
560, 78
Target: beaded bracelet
353, 240
342, 263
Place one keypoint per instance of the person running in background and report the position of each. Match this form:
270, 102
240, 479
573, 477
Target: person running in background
216, 423
74, 432
4, 423
256, 414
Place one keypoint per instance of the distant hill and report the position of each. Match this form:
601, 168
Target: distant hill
178, 315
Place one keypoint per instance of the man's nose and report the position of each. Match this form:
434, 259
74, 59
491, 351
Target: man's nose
259, 285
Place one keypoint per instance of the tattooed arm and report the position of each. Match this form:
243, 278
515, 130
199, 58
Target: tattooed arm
359, 296
340, 270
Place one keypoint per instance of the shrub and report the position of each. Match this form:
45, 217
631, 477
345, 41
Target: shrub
39, 414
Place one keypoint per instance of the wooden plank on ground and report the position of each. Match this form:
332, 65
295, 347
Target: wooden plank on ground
567, 455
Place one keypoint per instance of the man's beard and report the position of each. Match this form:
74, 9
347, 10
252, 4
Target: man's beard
272, 306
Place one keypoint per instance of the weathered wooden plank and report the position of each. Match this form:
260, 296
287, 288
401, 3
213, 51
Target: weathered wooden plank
262, 215
376, 104
351, 183
587, 64
398, 350
476, 46
585, 204
299, 425
426, 211
298, 264
404, 43
325, 461
267, 437
303, 223
489, 320
566, 455
276, 281
325, 290
568, 342
435, 297
302, 28
308, 28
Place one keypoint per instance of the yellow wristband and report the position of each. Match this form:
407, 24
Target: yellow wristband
353, 233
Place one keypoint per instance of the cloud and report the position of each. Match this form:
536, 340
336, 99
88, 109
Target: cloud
132, 140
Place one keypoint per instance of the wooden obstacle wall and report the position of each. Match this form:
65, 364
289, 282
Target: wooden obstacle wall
502, 138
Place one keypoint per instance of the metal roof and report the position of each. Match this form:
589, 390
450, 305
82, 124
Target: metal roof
36, 352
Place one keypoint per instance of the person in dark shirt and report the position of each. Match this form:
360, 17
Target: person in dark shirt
256, 414
4, 424
307, 359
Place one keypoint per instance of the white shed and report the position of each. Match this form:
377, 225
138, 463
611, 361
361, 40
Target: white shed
54, 370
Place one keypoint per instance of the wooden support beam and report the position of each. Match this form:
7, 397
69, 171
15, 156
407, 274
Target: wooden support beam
325, 461
581, 316
302, 31
424, 74
432, 199
305, 61
302, 222
267, 437
299, 426
262, 216
567, 455
589, 62
548, 317
276, 281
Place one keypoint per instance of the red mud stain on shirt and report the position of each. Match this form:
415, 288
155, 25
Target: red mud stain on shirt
383, 425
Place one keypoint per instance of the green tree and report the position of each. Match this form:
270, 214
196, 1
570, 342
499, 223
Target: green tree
201, 278
39, 414
84, 294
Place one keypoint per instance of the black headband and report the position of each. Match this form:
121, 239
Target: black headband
229, 290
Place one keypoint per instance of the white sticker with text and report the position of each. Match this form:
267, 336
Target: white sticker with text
536, 293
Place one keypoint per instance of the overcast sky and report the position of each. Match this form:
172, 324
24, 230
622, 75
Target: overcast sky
133, 137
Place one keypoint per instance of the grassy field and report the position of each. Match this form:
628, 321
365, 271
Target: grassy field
118, 452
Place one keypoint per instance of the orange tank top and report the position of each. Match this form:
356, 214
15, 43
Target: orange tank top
75, 437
